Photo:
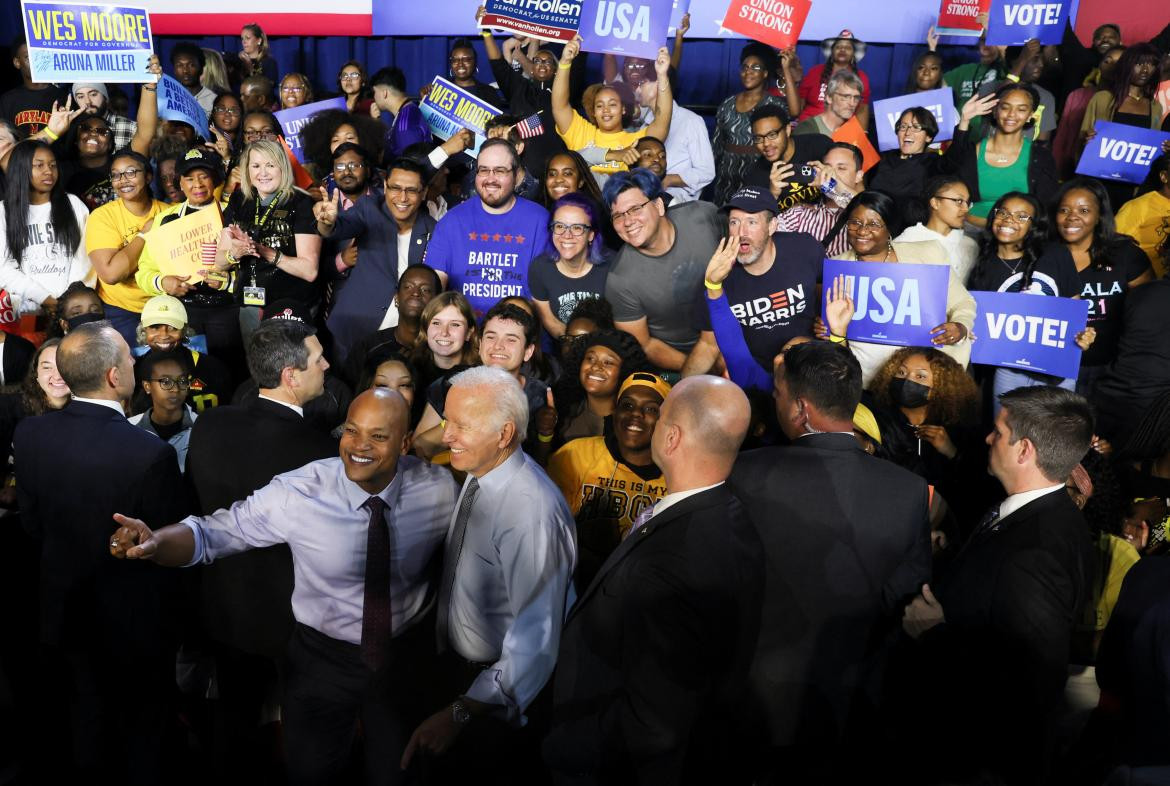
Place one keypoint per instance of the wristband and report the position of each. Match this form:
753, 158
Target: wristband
1013, 78
544, 437
834, 338
486, 33
565, 65
711, 285
49, 133
231, 260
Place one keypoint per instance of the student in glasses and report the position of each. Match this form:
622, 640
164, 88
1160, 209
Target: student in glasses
947, 200
573, 267
166, 326
166, 381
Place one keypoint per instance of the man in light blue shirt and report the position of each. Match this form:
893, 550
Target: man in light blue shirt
690, 164
364, 529
506, 585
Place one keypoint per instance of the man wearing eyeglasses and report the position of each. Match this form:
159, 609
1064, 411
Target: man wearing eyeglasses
388, 235
785, 163
483, 247
843, 95
95, 100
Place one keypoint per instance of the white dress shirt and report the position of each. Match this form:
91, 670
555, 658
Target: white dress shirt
673, 499
1017, 501
299, 410
688, 152
103, 402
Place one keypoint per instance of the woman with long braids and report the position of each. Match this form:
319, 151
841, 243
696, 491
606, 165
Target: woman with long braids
41, 234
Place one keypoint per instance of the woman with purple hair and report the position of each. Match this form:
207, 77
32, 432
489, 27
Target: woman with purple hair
573, 268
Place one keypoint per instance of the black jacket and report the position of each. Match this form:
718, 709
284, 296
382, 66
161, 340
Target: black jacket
654, 655
846, 541
234, 451
961, 159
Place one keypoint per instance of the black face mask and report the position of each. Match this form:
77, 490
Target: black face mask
83, 319
908, 393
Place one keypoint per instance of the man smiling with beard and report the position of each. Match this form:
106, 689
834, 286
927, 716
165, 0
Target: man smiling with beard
390, 234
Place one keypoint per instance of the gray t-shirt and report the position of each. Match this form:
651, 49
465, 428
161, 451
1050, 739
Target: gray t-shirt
662, 289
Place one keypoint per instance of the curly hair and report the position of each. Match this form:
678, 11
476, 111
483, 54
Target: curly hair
318, 132
32, 395
1033, 242
570, 397
597, 309
954, 399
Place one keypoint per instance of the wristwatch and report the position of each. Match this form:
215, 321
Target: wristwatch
459, 712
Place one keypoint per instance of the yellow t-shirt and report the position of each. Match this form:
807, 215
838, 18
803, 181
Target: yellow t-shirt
1147, 220
113, 226
600, 487
581, 134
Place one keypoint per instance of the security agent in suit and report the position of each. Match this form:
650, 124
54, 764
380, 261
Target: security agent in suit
654, 657
79, 465
847, 544
994, 631
234, 451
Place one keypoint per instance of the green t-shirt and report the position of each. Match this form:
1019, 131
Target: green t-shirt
966, 80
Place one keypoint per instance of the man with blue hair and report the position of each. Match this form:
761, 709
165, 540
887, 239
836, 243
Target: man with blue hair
658, 274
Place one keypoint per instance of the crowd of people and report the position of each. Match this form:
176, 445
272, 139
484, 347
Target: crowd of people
548, 457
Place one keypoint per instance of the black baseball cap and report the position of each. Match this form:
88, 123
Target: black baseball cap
200, 158
753, 200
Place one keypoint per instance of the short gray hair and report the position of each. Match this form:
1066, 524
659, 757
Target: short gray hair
86, 354
507, 395
275, 345
844, 78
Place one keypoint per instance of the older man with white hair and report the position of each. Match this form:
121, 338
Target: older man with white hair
506, 585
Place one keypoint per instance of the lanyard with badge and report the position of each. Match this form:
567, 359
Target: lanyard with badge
254, 295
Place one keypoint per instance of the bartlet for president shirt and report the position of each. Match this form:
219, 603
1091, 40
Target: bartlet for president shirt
486, 255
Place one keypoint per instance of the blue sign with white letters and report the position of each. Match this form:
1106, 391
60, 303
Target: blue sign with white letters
896, 304
1029, 332
1015, 22
449, 108
1120, 152
175, 102
940, 102
634, 28
293, 120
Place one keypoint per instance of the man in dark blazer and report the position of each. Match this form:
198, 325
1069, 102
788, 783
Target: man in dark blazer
995, 630
365, 289
847, 544
653, 663
78, 466
234, 451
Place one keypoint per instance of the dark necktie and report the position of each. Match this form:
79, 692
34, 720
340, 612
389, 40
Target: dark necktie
646, 514
451, 561
376, 611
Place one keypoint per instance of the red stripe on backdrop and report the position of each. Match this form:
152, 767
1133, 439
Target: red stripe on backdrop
273, 24
1137, 19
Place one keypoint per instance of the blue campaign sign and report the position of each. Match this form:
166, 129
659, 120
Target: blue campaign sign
449, 108
175, 102
896, 303
625, 27
548, 20
1014, 22
940, 102
678, 9
293, 120
71, 42
1029, 332
1120, 152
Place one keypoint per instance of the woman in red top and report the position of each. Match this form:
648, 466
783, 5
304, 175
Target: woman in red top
843, 54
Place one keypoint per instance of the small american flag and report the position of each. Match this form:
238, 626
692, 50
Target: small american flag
530, 127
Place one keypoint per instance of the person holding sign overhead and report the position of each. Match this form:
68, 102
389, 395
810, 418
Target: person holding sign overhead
579, 133
1007, 160
872, 221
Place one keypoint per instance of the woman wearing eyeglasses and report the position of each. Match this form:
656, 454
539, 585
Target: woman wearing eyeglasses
574, 266
948, 201
165, 382
903, 171
227, 114
871, 221
295, 91
732, 140
1006, 160
351, 82
1015, 257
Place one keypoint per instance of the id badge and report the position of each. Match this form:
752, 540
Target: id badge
253, 296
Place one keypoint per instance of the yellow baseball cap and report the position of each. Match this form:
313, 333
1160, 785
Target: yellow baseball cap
645, 379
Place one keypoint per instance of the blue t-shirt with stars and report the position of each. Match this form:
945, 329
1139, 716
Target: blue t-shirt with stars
486, 255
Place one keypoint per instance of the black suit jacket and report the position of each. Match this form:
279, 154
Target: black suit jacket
234, 451
1011, 598
77, 467
847, 543
654, 655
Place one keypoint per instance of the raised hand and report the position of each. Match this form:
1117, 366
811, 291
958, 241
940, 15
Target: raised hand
627, 155
61, 116
723, 260
662, 62
571, 50
327, 209
948, 333
132, 540
932, 38
976, 106
839, 307
684, 24
479, 12
546, 416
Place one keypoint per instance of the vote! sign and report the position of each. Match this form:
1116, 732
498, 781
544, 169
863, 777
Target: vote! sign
176, 103
449, 108
69, 42
957, 17
293, 120
1120, 152
634, 28
894, 304
548, 20
1029, 332
940, 102
1012, 22
775, 22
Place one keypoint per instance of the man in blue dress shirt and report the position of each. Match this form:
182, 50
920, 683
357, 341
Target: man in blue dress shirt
364, 529
506, 585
